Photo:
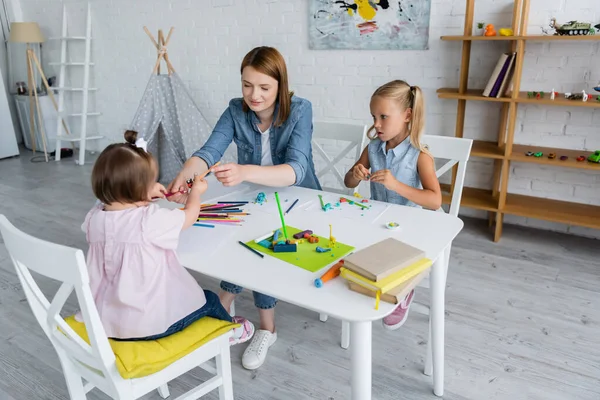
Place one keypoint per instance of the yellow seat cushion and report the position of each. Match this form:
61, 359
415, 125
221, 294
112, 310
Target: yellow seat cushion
136, 359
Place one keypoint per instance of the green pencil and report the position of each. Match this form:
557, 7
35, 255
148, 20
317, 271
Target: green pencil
281, 216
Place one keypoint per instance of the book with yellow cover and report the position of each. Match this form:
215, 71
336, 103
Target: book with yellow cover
394, 295
389, 282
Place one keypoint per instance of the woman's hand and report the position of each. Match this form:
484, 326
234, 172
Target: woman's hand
386, 178
178, 188
360, 173
230, 174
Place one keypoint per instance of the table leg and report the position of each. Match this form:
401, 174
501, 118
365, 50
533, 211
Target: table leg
437, 291
360, 343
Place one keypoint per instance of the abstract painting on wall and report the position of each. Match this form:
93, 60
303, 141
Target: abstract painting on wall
369, 24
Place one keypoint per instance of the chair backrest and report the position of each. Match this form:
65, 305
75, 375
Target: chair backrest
457, 151
356, 134
95, 361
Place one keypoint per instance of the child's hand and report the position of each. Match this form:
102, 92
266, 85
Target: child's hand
386, 178
359, 172
157, 191
198, 187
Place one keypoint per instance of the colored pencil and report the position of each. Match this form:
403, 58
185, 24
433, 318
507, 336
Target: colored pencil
292, 206
251, 249
208, 171
204, 225
281, 216
232, 202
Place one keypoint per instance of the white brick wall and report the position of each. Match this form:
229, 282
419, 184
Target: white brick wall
211, 37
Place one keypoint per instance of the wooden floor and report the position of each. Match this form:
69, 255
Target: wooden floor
523, 315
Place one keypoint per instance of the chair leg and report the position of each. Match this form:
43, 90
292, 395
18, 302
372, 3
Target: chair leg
323, 317
73, 379
429, 358
345, 334
163, 390
224, 371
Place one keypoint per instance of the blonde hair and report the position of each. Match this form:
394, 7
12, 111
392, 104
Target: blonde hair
406, 96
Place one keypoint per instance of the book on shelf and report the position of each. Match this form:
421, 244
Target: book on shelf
388, 283
501, 76
384, 258
394, 295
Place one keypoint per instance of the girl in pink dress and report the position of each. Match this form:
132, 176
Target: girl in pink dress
141, 290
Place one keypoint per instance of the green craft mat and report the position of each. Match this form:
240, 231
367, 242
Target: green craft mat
307, 257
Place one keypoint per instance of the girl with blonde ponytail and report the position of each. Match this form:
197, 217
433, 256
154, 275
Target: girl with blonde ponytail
399, 168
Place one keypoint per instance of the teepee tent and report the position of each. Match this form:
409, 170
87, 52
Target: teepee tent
168, 119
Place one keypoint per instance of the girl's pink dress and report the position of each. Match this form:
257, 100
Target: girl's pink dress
138, 284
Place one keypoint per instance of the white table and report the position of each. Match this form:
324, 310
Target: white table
216, 252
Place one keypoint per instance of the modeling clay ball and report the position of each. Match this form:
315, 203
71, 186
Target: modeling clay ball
261, 198
392, 225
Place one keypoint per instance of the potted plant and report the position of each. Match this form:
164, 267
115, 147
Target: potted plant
480, 27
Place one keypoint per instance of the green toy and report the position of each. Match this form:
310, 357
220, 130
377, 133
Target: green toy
538, 154
595, 157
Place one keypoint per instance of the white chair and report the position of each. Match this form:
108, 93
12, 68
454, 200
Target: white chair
355, 134
456, 151
95, 362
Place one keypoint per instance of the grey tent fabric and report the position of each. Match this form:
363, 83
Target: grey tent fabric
172, 125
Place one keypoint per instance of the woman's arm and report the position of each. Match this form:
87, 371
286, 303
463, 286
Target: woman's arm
429, 197
359, 171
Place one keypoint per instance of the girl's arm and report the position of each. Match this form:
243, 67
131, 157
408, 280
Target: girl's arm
429, 197
359, 171
193, 203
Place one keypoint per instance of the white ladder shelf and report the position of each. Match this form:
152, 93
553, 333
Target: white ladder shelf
63, 115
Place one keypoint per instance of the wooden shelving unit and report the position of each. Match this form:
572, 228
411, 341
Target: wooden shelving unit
496, 200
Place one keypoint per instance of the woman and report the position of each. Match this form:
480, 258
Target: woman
272, 129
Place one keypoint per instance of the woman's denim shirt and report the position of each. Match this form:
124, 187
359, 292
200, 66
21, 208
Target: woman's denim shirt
290, 142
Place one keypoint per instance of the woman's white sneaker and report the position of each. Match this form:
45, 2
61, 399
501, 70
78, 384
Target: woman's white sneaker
256, 353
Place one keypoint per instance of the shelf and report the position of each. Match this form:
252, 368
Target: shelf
81, 64
72, 89
536, 38
553, 210
484, 149
68, 38
470, 94
480, 199
519, 150
71, 138
559, 100
476, 95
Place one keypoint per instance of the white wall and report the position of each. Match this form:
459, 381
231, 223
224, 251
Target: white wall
211, 37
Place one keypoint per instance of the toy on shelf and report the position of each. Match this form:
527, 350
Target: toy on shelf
563, 158
537, 95
595, 157
506, 32
552, 156
490, 30
576, 96
538, 154
480, 26
581, 158
331, 273
529, 153
573, 28
553, 94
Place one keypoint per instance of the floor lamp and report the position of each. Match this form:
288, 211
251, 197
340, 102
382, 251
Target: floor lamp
29, 32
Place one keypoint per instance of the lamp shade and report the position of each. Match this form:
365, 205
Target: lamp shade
25, 32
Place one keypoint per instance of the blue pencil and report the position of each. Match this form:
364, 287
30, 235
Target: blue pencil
251, 249
292, 206
204, 225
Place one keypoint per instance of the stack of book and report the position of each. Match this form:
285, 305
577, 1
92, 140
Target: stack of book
501, 76
387, 270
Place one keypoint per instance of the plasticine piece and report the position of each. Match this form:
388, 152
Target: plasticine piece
327, 207
285, 248
313, 239
364, 201
276, 235
392, 225
266, 243
303, 234
261, 198
322, 250
343, 200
